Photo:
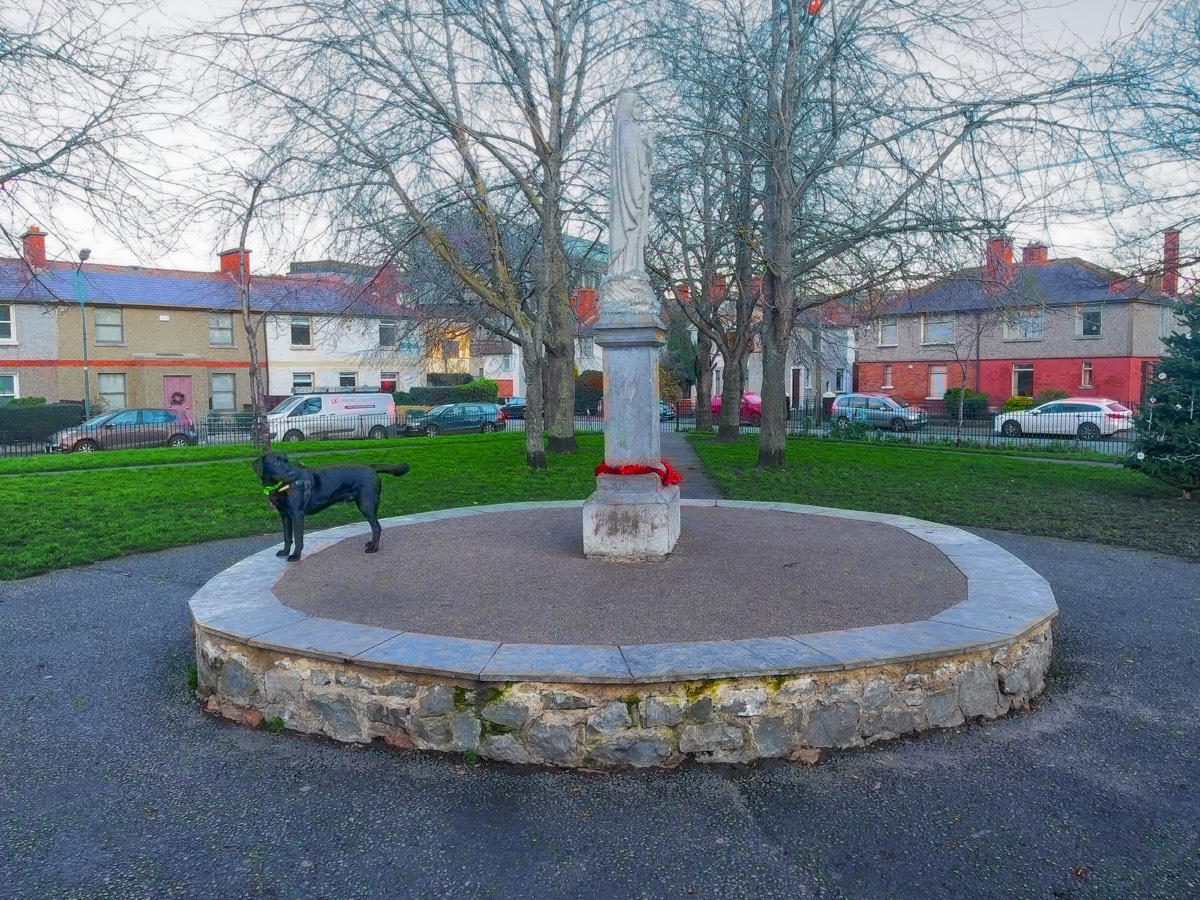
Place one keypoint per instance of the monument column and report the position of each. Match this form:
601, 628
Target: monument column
630, 517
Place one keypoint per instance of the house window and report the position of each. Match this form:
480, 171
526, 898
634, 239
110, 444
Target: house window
937, 382
409, 344
808, 381
224, 394
301, 331
1025, 325
1164, 322
587, 348
937, 328
387, 382
1085, 375
112, 390
220, 329
450, 349
887, 332
887, 377
6, 322
8, 388
302, 381
839, 380
1022, 379
1091, 321
389, 334
110, 328
348, 379
717, 379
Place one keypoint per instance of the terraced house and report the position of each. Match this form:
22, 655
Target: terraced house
142, 337
1009, 329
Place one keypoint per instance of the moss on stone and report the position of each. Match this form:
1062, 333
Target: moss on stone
490, 729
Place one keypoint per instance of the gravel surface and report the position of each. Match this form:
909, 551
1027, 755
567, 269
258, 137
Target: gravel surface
521, 577
113, 784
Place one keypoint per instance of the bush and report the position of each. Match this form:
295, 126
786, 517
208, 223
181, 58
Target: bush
481, 390
1016, 404
21, 424
447, 379
974, 406
589, 390
1048, 395
27, 401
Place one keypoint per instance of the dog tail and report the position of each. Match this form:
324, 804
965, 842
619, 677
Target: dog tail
397, 470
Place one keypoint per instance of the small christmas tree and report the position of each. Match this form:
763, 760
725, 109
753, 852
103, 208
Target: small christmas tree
1168, 443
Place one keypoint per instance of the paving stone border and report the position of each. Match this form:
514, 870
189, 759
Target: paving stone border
631, 705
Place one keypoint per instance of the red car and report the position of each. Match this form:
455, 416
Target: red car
749, 413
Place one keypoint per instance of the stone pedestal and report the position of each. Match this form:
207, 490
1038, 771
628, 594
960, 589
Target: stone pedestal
631, 517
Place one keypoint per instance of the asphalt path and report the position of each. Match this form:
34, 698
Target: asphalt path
114, 784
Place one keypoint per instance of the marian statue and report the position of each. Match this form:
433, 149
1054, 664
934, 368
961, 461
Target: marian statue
626, 287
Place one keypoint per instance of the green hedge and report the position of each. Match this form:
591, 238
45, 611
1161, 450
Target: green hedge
481, 390
1016, 404
589, 390
22, 424
975, 406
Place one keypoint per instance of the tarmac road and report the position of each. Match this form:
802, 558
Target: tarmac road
113, 784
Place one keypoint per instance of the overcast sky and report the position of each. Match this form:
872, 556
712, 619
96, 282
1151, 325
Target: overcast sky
1067, 24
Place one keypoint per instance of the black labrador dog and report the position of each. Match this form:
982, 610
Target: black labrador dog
295, 491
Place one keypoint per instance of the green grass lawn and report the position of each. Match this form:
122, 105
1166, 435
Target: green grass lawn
86, 514
1079, 502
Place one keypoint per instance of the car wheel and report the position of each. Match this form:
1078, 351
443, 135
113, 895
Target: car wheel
841, 423
431, 431
1088, 431
488, 427
293, 436
1011, 429
755, 419
899, 424
178, 440
86, 446
378, 433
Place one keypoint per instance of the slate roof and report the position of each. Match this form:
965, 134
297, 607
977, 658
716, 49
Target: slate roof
1059, 282
135, 286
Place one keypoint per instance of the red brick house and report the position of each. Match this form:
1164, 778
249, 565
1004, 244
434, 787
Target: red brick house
1010, 329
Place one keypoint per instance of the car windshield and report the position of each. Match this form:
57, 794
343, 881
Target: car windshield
284, 405
900, 401
439, 410
517, 400
96, 420
1117, 407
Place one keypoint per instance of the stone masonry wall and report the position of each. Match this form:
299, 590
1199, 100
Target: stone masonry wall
611, 726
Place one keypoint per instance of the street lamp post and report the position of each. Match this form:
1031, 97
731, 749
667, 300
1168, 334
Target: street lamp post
79, 289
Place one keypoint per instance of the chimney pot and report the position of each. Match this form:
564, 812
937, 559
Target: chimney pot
231, 258
1170, 282
998, 264
34, 247
1034, 255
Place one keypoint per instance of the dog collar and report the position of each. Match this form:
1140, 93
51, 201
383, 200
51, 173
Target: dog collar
278, 486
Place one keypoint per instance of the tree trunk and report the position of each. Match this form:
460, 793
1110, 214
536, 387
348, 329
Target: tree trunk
773, 433
729, 426
535, 449
560, 349
704, 348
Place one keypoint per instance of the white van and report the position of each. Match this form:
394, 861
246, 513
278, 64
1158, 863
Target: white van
330, 416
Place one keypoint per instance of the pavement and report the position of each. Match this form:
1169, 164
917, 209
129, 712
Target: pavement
114, 785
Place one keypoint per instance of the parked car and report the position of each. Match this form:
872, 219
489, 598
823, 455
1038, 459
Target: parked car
455, 417
749, 411
666, 411
513, 409
126, 429
1087, 418
331, 416
877, 411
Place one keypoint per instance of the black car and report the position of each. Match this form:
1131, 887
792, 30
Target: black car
514, 408
450, 418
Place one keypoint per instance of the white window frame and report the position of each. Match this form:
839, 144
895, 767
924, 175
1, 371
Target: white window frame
1022, 367
302, 376
108, 396
941, 320
887, 378
887, 324
1165, 322
16, 387
1086, 375
344, 377
8, 318
303, 322
213, 393
839, 381
119, 325
944, 377
1080, 313
384, 326
393, 377
214, 327
1025, 325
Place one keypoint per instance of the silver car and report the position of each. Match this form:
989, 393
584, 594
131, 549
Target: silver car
877, 411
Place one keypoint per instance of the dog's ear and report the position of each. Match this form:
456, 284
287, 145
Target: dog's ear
257, 466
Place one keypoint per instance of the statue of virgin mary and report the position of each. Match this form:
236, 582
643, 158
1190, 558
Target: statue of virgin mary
630, 197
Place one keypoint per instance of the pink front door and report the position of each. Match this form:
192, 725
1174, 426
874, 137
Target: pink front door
177, 393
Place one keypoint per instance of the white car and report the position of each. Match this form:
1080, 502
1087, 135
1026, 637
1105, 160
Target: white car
1087, 418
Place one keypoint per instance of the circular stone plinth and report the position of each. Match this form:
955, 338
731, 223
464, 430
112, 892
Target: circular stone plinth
772, 629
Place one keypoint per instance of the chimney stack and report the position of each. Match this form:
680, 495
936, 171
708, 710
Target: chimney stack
34, 241
998, 268
1170, 282
1034, 255
229, 262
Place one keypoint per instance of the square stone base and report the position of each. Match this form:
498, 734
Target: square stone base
630, 517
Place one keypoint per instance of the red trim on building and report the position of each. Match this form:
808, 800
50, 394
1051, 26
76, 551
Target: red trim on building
125, 363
